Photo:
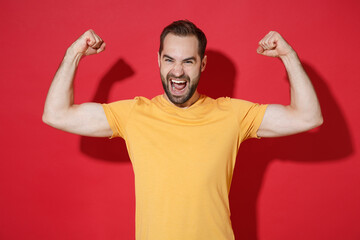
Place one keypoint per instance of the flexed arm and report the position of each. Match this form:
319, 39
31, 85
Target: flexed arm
60, 111
304, 111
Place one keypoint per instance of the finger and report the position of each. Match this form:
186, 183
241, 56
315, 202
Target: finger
272, 42
101, 48
269, 40
265, 46
260, 50
89, 37
100, 42
262, 45
92, 39
90, 51
100, 39
271, 53
262, 42
97, 43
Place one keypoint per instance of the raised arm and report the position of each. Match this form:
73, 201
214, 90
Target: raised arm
60, 112
304, 111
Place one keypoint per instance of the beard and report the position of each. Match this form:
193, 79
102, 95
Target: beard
191, 87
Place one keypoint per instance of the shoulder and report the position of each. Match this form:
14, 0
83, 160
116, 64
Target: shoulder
135, 101
244, 107
228, 102
126, 105
240, 102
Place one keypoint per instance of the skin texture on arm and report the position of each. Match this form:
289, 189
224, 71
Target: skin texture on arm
87, 119
303, 113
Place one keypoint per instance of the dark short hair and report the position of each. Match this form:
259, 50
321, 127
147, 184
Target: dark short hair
184, 28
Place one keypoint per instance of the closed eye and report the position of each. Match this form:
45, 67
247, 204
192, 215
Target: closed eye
190, 60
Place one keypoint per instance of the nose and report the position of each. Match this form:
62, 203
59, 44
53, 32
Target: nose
178, 70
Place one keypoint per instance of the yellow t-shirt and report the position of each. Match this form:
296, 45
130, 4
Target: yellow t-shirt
183, 161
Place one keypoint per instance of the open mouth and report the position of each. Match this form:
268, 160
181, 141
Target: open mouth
178, 86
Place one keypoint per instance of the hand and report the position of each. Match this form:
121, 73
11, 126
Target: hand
87, 44
274, 45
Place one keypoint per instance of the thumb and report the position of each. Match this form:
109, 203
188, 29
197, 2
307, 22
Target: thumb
260, 49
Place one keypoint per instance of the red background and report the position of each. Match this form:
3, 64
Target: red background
55, 185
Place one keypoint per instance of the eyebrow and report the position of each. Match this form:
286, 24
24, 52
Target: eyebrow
186, 59
189, 58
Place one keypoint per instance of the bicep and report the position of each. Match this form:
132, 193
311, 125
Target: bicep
87, 119
280, 120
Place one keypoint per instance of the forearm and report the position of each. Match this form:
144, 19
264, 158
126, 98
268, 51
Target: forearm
304, 102
60, 97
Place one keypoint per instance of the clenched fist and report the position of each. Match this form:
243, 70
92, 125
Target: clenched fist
274, 45
87, 44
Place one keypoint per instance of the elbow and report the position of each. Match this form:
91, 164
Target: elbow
316, 122
320, 121
55, 118
50, 119
46, 119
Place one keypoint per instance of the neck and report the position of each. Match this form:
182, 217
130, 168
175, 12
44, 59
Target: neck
186, 104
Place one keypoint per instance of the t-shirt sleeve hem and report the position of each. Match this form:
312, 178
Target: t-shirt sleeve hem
111, 120
259, 119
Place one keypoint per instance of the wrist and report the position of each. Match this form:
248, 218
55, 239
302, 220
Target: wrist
290, 57
71, 56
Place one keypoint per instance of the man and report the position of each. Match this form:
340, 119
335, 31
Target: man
182, 144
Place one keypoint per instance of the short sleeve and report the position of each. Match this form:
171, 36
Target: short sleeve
117, 114
250, 116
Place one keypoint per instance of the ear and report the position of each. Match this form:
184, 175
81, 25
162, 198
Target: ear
159, 59
203, 63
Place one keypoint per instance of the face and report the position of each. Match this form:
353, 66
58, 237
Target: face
180, 69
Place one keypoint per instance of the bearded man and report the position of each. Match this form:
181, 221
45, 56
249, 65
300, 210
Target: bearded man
182, 144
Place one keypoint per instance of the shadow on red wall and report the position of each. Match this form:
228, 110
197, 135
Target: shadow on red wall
101, 148
218, 79
330, 142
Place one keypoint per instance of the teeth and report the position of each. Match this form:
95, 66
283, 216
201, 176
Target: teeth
178, 81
